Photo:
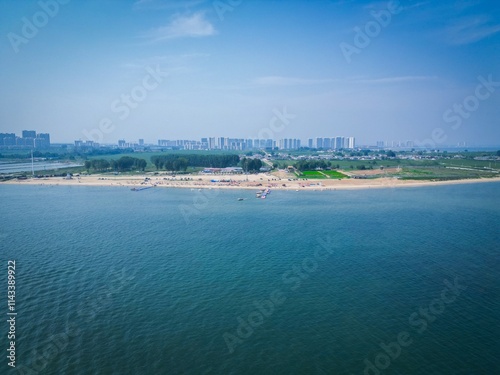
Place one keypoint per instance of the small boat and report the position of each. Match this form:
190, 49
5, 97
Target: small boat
240, 199
263, 193
141, 188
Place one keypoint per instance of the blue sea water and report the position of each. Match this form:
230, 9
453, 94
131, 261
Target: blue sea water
174, 281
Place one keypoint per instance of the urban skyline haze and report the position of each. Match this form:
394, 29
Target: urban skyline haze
106, 70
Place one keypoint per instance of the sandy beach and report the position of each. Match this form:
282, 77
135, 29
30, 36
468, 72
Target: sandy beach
280, 181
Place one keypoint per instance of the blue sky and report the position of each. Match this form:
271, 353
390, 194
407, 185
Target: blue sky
228, 66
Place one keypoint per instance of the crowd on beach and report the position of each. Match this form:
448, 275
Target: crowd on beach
254, 181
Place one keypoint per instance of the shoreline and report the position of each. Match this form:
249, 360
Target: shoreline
241, 182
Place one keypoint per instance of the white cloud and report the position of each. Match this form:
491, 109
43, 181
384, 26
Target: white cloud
461, 5
180, 62
470, 30
288, 81
395, 79
291, 81
184, 27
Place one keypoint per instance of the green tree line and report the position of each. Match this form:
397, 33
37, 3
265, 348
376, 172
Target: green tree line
180, 163
308, 165
125, 163
251, 165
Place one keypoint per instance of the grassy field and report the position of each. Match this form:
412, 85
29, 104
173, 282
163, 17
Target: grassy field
312, 174
443, 168
470, 163
354, 165
334, 174
322, 174
444, 173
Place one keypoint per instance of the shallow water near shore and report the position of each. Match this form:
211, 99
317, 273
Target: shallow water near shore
110, 281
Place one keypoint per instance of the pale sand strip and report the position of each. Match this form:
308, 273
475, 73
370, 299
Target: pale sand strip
239, 182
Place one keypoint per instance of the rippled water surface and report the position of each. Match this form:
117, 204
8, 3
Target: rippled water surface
167, 281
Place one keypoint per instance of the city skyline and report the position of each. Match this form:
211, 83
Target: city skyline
419, 71
28, 138
34, 139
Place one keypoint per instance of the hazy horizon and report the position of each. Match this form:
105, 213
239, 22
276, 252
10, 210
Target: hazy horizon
378, 71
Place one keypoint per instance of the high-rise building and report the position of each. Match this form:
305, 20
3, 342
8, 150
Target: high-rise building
85, 144
319, 142
212, 144
45, 136
7, 139
326, 143
338, 143
21, 142
42, 140
28, 139
310, 143
220, 143
351, 142
29, 134
288, 144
